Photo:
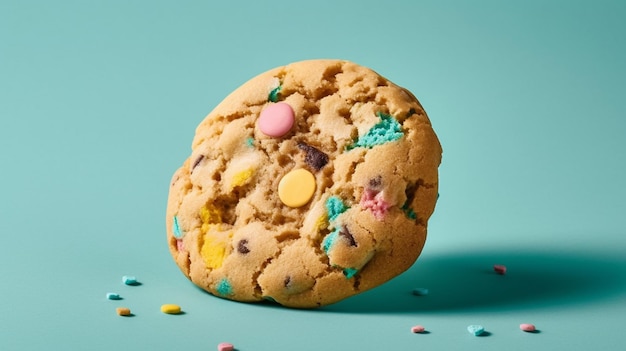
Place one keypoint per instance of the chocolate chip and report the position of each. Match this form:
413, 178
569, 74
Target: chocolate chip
314, 157
197, 162
241, 246
376, 182
344, 232
287, 281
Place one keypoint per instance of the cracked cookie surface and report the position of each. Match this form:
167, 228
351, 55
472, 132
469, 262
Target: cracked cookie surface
310, 183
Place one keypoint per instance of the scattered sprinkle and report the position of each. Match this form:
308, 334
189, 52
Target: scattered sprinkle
335, 207
113, 296
250, 142
273, 95
527, 327
500, 269
225, 346
170, 309
123, 311
417, 329
476, 329
350, 272
420, 291
129, 280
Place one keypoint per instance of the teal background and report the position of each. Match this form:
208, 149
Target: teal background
99, 101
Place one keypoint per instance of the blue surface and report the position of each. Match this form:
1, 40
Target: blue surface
99, 101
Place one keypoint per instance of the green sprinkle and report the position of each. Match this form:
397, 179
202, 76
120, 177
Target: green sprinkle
387, 130
350, 272
273, 96
408, 211
250, 142
224, 288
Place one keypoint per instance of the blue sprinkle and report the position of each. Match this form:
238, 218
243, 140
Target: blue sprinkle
224, 288
350, 272
387, 130
113, 296
476, 329
329, 240
176, 229
420, 291
335, 207
129, 280
250, 142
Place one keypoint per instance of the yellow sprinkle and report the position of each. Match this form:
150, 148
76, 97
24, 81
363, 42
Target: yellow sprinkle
213, 253
296, 188
170, 309
241, 177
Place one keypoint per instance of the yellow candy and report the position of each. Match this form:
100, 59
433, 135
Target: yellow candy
241, 177
209, 215
296, 188
213, 253
170, 309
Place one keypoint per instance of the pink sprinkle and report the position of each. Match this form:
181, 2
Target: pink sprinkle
527, 327
225, 346
373, 201
500, 269
179, 245
276, 119
417, 329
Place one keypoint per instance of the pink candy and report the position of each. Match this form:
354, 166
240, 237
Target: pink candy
500, 269
225, 346
418, 329
527, 327
276, 119
373, 200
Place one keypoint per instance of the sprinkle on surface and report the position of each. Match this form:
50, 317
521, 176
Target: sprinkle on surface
420, 291
527, 327
123, 311
170, 309
224, 288
387, 130
129, 280
113, 296
476, 329
500, 269
225, 346
417, 329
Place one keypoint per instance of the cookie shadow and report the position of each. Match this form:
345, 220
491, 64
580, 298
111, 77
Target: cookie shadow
466, 281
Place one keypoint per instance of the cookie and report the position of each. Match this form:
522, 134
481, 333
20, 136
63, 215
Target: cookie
310, 183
